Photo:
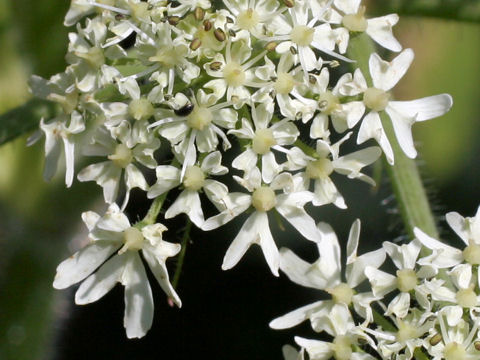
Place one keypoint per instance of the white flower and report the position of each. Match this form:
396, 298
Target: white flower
264, 137
61, 128
300, 30
456, 340
379, 29
233, 72
256, 229
405, 280
446, 256
403, 114
88, 58
326, 274
408, 334
133, 144
324, 162
339, 324
195, 125
253, 15
279, 83
194, 181
113, 233
343, 115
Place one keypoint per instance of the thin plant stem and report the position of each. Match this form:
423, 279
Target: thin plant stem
181, 256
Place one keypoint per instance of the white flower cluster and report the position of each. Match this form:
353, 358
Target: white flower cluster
429, 309
247, 78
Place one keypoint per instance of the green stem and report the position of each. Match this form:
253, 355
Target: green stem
181, 256
153, 212
406, 181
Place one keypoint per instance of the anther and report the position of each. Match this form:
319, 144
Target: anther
215, 66
173, 20
271, 46
207, 25
195, 44
219, 34
199, 14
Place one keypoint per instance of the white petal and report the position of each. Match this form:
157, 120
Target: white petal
316, 349
380, 30
159, 269
295, 214
101, 282
425, 108
138, 315
371, 127
297, 316
399, 306
301, 272
326, 193
459, 225
188, 202
382, 282
443, 256
254, 230
385, 75
81, 264
234, 204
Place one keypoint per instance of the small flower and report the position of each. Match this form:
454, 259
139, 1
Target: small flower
403, 114
194, 181
112, 234
256, 228
326, 274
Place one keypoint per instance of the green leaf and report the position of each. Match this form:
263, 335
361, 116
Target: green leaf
24, 118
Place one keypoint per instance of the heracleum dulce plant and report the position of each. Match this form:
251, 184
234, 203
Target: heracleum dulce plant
277, 86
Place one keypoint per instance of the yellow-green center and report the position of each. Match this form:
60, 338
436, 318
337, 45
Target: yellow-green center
140, 109
302, 35
234, 74
122, 156
248, 19
454, 351
284, 83
376, 99
263, 141
406, 331
194, 178
199, 118
170, 56
471, 254
319, 169
406, 280
466, 297
342, 294
328, 102
133, 240
342, 348
356, 22
94, 57
139, 10
263, 199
